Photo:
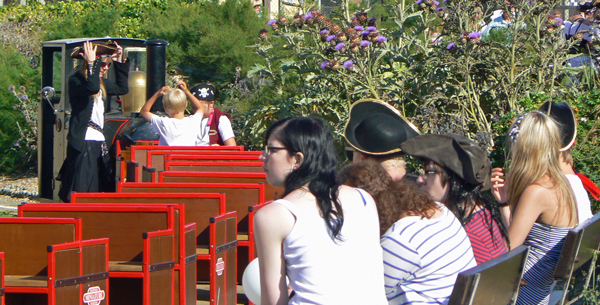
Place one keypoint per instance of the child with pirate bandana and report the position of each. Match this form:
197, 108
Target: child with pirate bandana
219, 131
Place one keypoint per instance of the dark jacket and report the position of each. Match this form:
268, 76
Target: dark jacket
81, 97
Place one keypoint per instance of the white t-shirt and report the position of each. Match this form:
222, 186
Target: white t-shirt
92, 134
177, 132
584, 207
225, 130
324, 271
422, 258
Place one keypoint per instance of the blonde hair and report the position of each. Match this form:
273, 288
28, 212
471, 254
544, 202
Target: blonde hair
534, 154
175, 100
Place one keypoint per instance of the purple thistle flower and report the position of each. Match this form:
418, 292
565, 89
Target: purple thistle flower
324, 64
348, 64
558, 21
339, 46
381, 39
436, 2
450, 45
371, 28
16, 144
324, 32
308, 15
440, 8
330, 38
359, 28
271, 22
365, 43
25, 97
364, 33
474, 35
419, 2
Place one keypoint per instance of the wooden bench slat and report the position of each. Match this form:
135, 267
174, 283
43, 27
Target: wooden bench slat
125, 266
202, 250
25, 281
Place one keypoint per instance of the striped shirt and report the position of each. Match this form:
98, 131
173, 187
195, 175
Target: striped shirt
486, 244
422, 258
546, 243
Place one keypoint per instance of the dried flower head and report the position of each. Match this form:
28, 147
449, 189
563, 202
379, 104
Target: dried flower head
362, 17
283, 21
354, 22
372, 22
333, 64
354, 47
335, 29
341, 37
22, 88
349, 30
263, 34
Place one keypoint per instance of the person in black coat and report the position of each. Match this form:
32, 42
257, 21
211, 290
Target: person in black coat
85, 169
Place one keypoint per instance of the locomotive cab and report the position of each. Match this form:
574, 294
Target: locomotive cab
147, 73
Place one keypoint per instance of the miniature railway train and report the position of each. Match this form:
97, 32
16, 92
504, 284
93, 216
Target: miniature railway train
179, 227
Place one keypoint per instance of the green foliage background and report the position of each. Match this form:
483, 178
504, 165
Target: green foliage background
207, 42
475, 88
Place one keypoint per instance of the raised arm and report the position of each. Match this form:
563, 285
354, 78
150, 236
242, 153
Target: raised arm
196, 104
145, 111
271, 226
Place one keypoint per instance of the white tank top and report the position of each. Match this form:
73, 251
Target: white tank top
327, 271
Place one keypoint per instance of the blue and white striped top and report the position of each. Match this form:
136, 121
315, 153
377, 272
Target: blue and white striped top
422, 258
546, 243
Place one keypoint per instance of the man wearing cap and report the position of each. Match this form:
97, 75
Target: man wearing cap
219, 131
375, 131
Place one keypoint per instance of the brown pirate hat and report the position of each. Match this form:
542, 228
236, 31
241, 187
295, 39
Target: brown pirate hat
102, 48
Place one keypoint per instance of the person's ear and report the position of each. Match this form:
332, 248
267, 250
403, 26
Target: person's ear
298, 159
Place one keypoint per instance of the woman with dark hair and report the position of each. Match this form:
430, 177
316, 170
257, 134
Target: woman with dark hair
424, 246
457, 173
322, 235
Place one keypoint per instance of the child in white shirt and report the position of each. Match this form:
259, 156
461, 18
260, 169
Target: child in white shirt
177, 129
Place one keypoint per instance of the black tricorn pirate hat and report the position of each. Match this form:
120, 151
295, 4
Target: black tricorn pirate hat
102, 48
564, 116
456, 153
377, 128
204, 92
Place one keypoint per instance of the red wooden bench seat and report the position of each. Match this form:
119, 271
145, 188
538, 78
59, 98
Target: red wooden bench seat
46, 261
141, 240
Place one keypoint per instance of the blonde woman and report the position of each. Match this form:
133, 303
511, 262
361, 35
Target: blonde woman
85, 168
541, 201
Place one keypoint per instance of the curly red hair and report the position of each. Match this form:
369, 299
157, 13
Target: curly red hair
394, 199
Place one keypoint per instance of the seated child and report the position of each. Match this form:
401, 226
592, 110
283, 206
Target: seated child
177, 129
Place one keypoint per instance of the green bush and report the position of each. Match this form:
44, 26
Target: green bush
17, 152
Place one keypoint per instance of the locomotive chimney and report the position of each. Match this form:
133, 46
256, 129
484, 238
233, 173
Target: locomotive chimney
156, 69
